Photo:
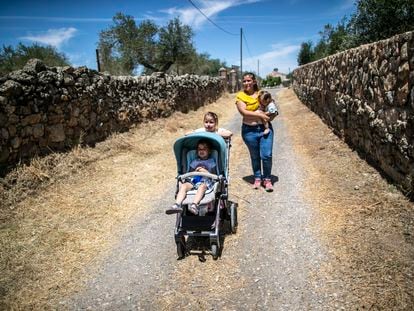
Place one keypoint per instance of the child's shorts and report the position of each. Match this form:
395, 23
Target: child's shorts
196, 181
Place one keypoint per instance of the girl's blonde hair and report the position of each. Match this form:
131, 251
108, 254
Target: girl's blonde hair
212, 115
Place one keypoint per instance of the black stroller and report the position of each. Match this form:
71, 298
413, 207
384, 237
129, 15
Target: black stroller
215, 209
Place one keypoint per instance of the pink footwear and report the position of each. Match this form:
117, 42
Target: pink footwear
268, 185
257, 183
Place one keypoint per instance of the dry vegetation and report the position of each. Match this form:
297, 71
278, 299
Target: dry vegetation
59, 213
366, 221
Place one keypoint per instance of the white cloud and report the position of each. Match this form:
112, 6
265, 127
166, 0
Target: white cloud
54, 37
282, 57
211, 8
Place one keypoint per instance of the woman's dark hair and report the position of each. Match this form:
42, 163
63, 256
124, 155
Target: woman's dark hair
253, 76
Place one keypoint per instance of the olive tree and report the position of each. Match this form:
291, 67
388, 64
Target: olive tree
126, 46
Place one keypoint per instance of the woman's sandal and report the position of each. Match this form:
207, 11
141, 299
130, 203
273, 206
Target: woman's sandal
193, 208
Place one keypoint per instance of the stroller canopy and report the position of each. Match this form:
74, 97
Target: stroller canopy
189, 142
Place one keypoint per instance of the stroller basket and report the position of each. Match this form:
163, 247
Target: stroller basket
204, 223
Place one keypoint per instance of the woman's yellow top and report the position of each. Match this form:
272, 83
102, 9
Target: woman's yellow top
252, 104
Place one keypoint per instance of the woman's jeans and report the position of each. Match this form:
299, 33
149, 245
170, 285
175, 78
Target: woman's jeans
260, 148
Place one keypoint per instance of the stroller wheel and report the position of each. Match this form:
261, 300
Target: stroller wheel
181, 249
233, 217
214, 251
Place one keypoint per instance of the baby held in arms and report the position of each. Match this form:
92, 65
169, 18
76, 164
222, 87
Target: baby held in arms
267, 104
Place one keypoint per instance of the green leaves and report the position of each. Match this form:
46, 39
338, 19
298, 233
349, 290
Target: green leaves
373, 20
380, 19
15, 58
306, 53
125, 46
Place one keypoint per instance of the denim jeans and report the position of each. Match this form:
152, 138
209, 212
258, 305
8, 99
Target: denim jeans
260, 148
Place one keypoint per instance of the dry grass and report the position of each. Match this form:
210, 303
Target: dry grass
367, 222
60, 213
65, 211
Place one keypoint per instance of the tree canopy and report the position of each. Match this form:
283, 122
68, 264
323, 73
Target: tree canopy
380, 19
15, 58
373, 20
125, 45
271, 81
200, 64
305, 54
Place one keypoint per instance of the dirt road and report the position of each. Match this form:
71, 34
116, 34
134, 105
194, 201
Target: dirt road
333, 235
267, 264
276, 261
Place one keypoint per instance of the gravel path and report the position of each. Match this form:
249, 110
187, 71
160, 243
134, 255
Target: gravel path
270, 264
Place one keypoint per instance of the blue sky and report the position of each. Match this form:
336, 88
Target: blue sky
273, 30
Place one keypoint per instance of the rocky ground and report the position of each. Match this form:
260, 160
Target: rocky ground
333, 235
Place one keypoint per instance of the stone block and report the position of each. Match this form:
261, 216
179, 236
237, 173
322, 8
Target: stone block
404, 51
46, 77
15, 142
22, 77
13, 119
4, 154
3, 119
4, 134
12, 130
29, 149
38, 130
403, 73
34, 66
31, 119
11, 88
402, 95
72, 122
26, 131
55, 119
389, 82
56, 133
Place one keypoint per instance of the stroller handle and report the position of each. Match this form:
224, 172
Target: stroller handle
204, 174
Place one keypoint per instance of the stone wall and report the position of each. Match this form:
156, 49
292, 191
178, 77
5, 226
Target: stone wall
46, 109
366, 95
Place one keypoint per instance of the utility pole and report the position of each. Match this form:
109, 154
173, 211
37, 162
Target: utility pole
241, 52
98, 63
258, 72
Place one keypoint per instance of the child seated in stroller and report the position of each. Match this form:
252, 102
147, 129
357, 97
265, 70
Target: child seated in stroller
203, 163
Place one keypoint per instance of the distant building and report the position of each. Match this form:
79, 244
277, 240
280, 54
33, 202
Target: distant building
276, 73
230, 78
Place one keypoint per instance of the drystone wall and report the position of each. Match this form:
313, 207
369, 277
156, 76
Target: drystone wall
45, 109
366, 95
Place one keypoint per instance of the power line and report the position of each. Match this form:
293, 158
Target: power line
233, 34
245, 41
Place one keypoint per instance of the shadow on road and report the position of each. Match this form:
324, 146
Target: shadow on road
201, 247
250, 179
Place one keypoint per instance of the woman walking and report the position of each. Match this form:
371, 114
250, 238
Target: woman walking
259, 145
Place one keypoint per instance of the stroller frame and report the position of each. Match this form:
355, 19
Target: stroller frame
215, 208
